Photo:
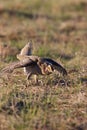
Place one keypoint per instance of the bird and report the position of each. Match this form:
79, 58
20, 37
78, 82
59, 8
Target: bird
26, 50
35, 65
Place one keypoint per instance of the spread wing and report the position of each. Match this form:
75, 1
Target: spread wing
55, 65
19, 64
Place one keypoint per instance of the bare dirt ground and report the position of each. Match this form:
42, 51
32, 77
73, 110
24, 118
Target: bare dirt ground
58, 29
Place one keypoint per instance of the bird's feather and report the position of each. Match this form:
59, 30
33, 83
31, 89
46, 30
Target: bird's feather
33, 61
18, 64
55, 65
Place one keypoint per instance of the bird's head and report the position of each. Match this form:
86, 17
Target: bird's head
49, 69
46, 69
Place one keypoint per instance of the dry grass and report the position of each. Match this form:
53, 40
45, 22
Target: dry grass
58, 30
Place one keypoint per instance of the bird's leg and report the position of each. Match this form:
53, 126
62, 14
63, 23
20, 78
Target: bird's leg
37, 82
36, 79
28, 77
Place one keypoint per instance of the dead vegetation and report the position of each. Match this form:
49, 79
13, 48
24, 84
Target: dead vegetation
58, 30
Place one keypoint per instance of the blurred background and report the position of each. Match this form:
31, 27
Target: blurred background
58, 25
58, 29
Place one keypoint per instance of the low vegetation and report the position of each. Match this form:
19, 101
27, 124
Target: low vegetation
58, 29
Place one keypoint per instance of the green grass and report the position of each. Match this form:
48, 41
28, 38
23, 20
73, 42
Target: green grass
57, 30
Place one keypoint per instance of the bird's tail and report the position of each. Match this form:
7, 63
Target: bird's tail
26, 51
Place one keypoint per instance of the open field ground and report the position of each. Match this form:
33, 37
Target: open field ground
58, 29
